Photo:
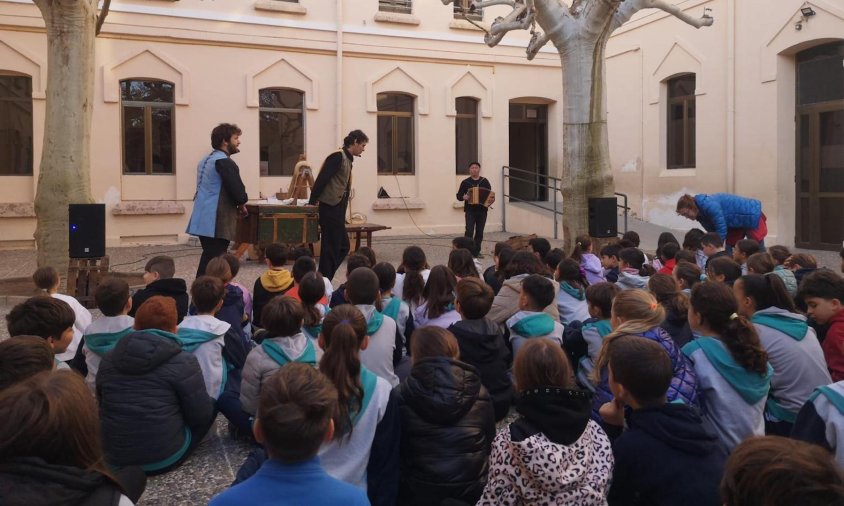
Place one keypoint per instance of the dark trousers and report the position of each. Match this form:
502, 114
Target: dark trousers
132, 480
475, 222
212, 247
197, 434
334, 239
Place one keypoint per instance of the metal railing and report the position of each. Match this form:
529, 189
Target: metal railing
556, 185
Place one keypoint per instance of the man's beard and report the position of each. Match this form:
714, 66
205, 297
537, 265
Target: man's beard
233, 150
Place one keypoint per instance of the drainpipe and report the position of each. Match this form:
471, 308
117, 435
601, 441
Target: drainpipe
731, 96
339, 70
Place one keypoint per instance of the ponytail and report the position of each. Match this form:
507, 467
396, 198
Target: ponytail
717, 307
688, 273
766, 290
343, 332
412, 265
568, 270
311, 290
582, 243
636, 260
664, 288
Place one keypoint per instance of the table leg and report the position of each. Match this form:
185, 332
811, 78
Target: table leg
357, 240
369, 238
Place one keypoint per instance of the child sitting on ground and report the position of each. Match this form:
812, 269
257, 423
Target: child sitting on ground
792, 346
383, 352
467, 243
112, 298
531, 321
691, 242
553, 453
392, 305
158, 276
666, 456
285, 343
234, 267
460, 262
411, 276
369, 253
481, 342
633, 270
47, 279
723, 270
22, 357
49, 318
823, 293
304, 265
438, 306
275, 281
571, 299
761, 263
609, 262
292, 437
153, 401
636, 312
686, 275
801, 264
676, 305
713, 247
540, 247
300, 252
238, 342
553, 258
312, 293
742, 251
457, 427
780, 254
583, 345
353, 262
666, 257
591, 264
731, 365
821, 420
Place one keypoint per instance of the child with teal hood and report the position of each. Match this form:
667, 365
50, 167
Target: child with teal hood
531, 321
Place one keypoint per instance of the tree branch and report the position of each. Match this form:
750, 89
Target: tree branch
538, 40
520, 18
631, 7
101, 17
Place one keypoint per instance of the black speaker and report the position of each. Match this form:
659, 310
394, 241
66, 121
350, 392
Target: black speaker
86, 226
603, 221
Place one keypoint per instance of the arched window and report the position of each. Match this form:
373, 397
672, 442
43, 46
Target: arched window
282, 130
15, 125
466, 133
681, 122
149, 126
395, 133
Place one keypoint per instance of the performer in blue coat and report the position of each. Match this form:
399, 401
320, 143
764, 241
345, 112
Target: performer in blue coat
731, 216
220, 196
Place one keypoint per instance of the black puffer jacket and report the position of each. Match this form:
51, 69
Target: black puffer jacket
148, 391
31, 481
447, 430
175, 288
677, 325
482, 345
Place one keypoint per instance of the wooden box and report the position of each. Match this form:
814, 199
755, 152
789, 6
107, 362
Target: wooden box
269, 223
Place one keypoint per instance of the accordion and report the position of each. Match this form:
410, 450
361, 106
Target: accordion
481, 196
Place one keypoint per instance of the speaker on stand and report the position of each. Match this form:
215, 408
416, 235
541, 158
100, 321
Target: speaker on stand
86, 229
603, 219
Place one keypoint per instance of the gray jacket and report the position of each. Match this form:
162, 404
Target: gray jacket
506, 303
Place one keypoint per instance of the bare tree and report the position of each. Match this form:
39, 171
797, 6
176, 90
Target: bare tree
580, 33
64, 176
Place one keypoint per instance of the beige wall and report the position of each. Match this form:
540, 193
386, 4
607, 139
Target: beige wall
219, 54
745, 104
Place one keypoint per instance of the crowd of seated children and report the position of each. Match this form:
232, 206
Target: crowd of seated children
609, 262
676, 305
353, 262
232, 310
312, 295
583, 344
692, 242
113, 301
823, 293
553, 452
392, 305
801, 265
22, 357
437, 308
275, 281
50, 445
47, 279
666, 256
723, 270
589, 262
49, 318
447, 424
530, 321
780, 254
743, 250
383, 351
153, 402
666, 455
633, 270
159, 280
506, 302
686, 275
300, 252
292, 437
733, 374
553, 259
761, 263
637, 312
234, 268
463, 242
685, 256
713, 247
664, 238
571, 299
540, 247
411, 276
462, 265
302, 266
481, 342
494, 274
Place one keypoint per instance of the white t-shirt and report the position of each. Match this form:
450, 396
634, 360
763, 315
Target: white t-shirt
83, 319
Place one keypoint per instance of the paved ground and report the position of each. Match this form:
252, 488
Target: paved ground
217, 459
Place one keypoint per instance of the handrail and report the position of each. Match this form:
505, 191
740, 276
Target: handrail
536, 182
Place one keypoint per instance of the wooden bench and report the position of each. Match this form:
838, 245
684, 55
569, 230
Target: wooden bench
358, 230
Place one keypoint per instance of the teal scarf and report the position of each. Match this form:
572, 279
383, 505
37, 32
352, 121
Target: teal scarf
832, 395
602, 326
576, 293
315, 330
105, 342
374, 323
190, 340
392, 309
751, 386
368, 380
794, 328
274, 351
539, 324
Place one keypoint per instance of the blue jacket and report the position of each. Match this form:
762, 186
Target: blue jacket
219, 190
302, 483
721, 211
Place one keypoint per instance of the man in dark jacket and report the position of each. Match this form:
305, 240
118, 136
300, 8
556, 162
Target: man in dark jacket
158, 275
152, 398
475, 213
666, 456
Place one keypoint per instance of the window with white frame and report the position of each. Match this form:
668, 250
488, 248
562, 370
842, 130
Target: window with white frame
395, 133
148, 129
466, 133
281, 130
681, 122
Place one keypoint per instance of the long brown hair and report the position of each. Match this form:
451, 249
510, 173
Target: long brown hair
52, 416
413, 262
462, 264
311, 290
541, 363
439, 291
432, 342
343, 332
717, 306
666, 291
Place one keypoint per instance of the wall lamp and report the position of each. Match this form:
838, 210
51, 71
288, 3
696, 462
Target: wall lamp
807, 11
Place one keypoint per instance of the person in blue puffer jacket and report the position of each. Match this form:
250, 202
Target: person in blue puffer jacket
731, 216
637, 313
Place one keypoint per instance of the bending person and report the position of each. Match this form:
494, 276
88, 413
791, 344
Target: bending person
731, 216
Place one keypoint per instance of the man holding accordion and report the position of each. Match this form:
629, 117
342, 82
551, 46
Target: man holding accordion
477, 195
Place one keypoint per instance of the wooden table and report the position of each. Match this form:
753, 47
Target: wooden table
364, 228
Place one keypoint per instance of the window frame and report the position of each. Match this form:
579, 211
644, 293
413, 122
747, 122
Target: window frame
461, 8
688, 155
398, 6
10, 99
284, 110
462, 169
147, 106
395, 141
